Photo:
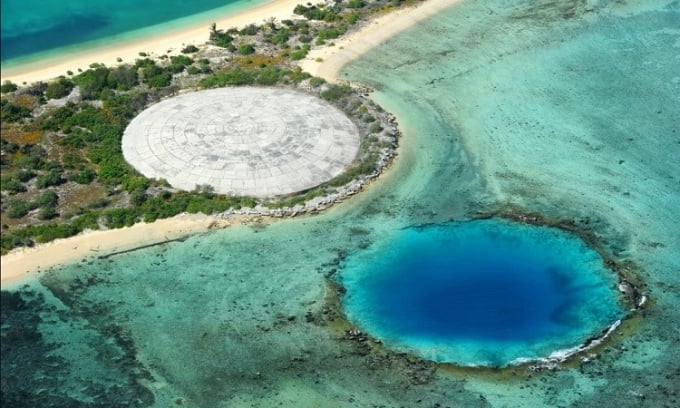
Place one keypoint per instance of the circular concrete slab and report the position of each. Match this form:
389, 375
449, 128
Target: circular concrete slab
245, 141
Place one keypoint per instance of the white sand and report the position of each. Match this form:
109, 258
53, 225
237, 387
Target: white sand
22, 261
52, 67
377, 31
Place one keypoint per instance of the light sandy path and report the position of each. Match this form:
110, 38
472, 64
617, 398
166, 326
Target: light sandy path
25, 260
374, 33
157, 45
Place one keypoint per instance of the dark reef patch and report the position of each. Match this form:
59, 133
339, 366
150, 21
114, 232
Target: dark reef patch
35, 374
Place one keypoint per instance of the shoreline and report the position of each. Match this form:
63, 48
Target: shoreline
373, 33
23, 262
155, 45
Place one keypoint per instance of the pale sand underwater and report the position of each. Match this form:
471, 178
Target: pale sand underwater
326, 62
23, 261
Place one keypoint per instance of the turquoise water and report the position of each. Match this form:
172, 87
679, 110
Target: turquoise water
486, 292
567, 108
33, 28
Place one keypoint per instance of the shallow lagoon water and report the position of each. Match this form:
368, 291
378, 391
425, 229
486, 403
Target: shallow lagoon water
481, 293
33, 29
568, 109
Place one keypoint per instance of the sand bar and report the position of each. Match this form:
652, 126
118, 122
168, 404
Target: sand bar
376, 32
22, 261
156, 45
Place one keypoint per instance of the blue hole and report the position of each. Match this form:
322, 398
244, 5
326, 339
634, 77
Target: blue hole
487, 292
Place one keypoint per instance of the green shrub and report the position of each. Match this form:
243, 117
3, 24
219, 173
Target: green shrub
367, 118
11, 112
335, 92
300, 53
375, 127
220, 38
30, 162
246, 49
232, 77
330, 33
193, 70
59, 88
316, 82
98, 203
24, 175
250, 29
121, 217
122, 78
189, 49
48, 198
138, 196
47, 213
281, 37
50, 232
51, 178
11, 184
268, 76
352, 18
160, 81
92, 81
8, 86
84, 176
87, 221
19, 208
112, 169
315, 13
181, 60
130, 183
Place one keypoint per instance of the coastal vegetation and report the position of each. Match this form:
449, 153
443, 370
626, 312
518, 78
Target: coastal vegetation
63, 170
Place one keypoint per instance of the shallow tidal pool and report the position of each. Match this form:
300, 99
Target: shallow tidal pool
481, 293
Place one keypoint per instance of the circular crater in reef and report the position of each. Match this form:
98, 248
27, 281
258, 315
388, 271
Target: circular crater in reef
245, 141
481, 293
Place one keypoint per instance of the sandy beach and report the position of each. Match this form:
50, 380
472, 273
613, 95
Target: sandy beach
49, 68
334, 57
22, 261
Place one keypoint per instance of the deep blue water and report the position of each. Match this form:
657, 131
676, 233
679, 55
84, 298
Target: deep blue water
482, 292
32, 26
